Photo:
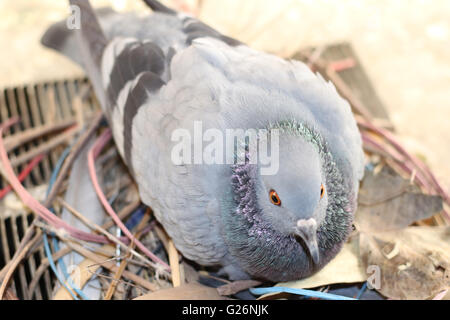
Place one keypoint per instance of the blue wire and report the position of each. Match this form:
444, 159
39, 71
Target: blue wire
55, 242
303, 292
53, 267
66, 274
135, 217
362, 290
53, 177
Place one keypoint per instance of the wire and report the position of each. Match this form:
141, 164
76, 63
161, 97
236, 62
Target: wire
22, 176
361, 291
136, 217
35, 205
93, 153
53, 267
302, 292
48, 252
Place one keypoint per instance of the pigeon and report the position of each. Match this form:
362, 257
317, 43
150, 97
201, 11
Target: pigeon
172, 89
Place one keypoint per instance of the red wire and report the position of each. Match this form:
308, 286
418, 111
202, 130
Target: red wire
93, 153
35, 205
22, 176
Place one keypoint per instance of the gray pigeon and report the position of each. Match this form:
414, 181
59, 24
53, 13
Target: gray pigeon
162, 76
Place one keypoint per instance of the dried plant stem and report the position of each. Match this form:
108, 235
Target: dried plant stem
44, 265
92, 155
99, 229
174, 261
112, 288
125, 212
81, 142
35, 205
112, 267
45, 147
15, 262
22, 246
409, 157
98, 259
20, 138
404, 166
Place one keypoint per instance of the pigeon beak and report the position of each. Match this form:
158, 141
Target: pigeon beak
307, 230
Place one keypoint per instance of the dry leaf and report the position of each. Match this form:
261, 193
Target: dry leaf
346, 267
190, 291
386, 202
414, 263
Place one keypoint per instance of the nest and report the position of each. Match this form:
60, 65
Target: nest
45, 128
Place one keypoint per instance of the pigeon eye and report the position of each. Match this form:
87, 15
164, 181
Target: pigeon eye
322, 191
274, 198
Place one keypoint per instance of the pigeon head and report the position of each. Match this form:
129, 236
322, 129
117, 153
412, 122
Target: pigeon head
294, 199
288, 225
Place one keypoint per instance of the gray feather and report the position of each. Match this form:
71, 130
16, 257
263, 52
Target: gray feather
81, 196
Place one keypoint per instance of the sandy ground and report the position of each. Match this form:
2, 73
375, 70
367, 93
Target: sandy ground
403, 44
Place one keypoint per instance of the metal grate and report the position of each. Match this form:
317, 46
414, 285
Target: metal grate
36, 105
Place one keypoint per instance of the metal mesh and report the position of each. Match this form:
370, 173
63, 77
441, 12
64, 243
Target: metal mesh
36, 105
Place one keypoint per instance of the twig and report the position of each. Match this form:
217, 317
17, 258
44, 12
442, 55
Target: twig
93, 153
23, 175
43, 266
112, 267
312, 58
413, 159
74, 244
20, 138
117, 276
35, 205
108, 235
28, 235
81, 142
125, 212
45, 147
15, 262
174, 261
124, 262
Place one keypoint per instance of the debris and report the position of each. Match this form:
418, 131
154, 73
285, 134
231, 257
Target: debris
386, 202
420, 268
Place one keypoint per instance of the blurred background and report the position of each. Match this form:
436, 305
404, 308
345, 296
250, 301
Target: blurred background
403, 45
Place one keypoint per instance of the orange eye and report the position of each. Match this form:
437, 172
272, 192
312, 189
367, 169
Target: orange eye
274, 198
322, 191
